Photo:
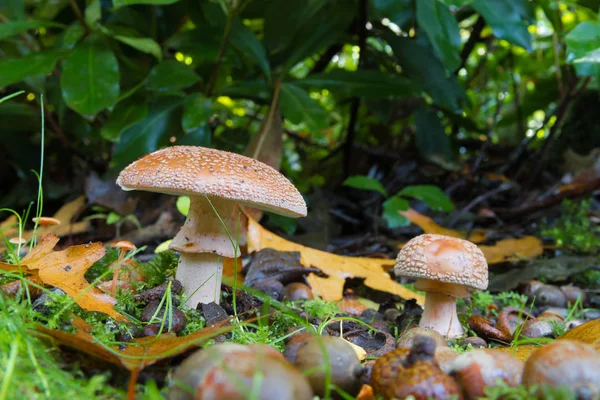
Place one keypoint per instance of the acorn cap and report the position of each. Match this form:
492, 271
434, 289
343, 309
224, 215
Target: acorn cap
193, 171
452, 262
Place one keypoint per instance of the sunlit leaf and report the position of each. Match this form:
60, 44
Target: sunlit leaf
431, 195
442, 29
507, 19
365, 183
391, 214
299, 107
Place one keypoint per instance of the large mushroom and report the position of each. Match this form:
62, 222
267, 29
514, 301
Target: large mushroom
213, 179
446, 268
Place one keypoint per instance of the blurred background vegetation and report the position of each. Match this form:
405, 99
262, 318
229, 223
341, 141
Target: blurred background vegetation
402, 91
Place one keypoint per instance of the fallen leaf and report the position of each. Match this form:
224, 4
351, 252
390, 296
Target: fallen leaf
429, 226
587, 333
338, 268
366, 393
504, 250
139, 353
65, 270
513, 249
65, 215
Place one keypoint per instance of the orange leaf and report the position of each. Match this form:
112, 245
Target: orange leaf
65, 215
513, 249
587, 333
65, 270
338, 268
137, 354
429, 226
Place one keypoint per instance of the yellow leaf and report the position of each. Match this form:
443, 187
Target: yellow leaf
338, 268
429, 226
513, 249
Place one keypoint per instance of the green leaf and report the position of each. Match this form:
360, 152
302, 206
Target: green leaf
93, 13
442, 29
144, 137
183, 205
400, 12
365, 183
258, 90
286, 224
431, 140
90, 77
197, 111
171, 75
13, 70
507, 18
145, 45
284, 18
13, 9
12, 28
582, 40
126, 114
112, 218
246, 42
420, 64
326, 28
431, 195
591, 57
390, 212
121, 3
362, 83
298, 107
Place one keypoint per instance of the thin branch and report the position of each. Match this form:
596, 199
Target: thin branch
560, 114
474, 38
355, 105
325, 58
213, 78
79, 15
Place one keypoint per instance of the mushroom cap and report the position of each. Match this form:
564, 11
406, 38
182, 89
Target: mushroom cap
443, 259
124, 245
46, 221
193, 171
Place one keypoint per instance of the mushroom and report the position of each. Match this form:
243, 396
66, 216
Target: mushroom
446, 268
124, 246
46, 221
215, 181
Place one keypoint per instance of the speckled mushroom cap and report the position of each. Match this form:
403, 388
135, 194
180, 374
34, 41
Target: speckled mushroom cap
190, 170
443, 259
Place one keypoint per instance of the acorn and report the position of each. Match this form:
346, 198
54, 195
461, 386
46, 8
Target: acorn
342, 363
565, 363
477, 369
228, 370
414, 372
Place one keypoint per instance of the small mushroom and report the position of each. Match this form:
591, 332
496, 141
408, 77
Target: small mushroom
215, 181
46, 221
475, 370
568, 363
124, 246
446, 268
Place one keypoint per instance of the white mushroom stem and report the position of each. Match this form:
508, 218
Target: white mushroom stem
200, 274
202, 241
440, 315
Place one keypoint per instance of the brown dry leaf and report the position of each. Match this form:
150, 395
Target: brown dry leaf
513, 249
338, 268
429, 226
587, 333
65, 269
137, 354
366, 393
65, 214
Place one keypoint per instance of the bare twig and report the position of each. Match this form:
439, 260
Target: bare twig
355, 104
560, 114
477, 200
79, 15
325, 58
474, 38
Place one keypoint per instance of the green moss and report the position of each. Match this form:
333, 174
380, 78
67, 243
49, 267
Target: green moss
574, 229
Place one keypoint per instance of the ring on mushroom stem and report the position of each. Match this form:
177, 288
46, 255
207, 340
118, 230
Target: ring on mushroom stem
216, 182
446, 268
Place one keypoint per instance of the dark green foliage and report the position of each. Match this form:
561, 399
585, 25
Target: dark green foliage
573, 229
157, 270
132, 76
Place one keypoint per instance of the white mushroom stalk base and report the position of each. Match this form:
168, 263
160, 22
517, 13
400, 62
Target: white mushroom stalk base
200, 274
440, 315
